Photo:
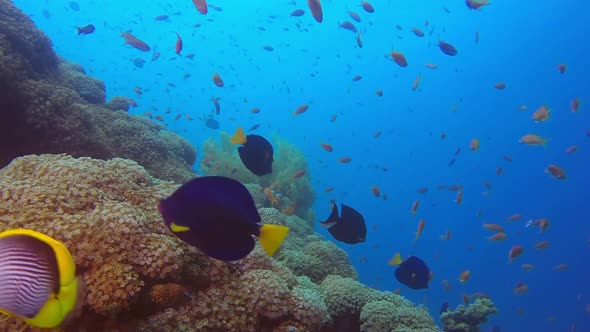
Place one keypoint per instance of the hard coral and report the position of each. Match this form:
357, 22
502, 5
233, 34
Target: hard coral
104, 211
377, 316
47, 108
468, 318
317, 260
89, 88
112, 288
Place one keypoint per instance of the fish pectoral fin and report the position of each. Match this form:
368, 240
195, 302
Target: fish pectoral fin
179, 228
396, 260
239, 137
272, 236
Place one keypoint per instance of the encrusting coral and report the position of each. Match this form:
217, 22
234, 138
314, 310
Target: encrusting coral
52, 106
140, 277
468, 318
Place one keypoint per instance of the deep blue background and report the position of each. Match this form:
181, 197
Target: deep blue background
521, 43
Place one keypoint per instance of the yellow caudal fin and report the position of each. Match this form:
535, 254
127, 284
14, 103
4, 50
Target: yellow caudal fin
272, 236
239, 137
396, 260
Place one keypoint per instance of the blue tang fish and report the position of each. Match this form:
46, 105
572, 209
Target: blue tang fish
412, 272
218, 215
349, 227
256, 152
38, 278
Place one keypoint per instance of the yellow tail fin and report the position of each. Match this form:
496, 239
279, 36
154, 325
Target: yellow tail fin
396, 260
272, 236
239, 137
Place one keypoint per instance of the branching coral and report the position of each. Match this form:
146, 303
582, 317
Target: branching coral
468, 318
291, 196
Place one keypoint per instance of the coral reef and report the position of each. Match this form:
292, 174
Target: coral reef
140, 277
51, 106
468, 318
283, 192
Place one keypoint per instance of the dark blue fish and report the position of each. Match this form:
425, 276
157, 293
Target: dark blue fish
447, 48
413, 273
444, 308
138, 62
74, 6
85, 30
212, 123
218, 215
256, 152
349, 227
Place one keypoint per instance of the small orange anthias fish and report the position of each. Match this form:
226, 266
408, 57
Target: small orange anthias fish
571, 149
446, 236
328, 189
542, 223
532, 139
476, 4
500, 85
178, 46
514, 217
217, 80
328, 147
556, 171
368, 7
345, 160
301, 109
298, 174
415, 207
493, 227
464, 276
561, 68
541, 114
377, 133
420, 228
575, 105
474, 144
376, 191
500, 236
135, 42
379, 93
542, 245
459, 197
416, 82
399, 58
315, 6
515, 252
527, 267
520, 288
201, 6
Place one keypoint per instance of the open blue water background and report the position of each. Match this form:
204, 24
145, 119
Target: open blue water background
521, 44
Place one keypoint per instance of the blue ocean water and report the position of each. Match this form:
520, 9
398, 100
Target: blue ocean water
521, 43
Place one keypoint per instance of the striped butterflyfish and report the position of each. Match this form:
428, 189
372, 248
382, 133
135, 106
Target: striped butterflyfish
38, 283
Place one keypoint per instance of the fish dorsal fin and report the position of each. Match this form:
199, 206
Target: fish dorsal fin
272, 236
239, 137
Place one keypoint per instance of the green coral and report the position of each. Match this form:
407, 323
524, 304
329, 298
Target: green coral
221, 158
468, 318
